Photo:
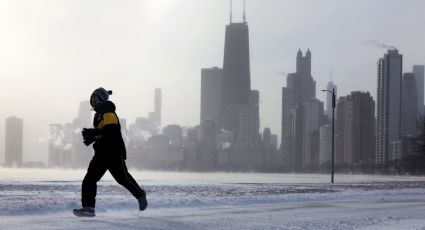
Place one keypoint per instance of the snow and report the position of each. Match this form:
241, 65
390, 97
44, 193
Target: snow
44, 199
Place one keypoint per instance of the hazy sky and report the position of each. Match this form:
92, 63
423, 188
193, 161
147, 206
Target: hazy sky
53, 53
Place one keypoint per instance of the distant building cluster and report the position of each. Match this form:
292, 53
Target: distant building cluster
400, 103
227, 138
368, 133
361, 139
66, 148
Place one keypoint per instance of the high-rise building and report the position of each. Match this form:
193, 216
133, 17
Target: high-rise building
359, 129
14, 142
192, 154
155, 116
355, 129
268, 150
236, 68
418, 70
288, 104
297, 138
313, 120
409, 105
388, 119
158, 106
209, 144
211, 83
300, 89
239, 105
328, 112
340, 130
84, 118
403, 148
325, 151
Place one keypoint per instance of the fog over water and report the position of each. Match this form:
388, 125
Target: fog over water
54, 53
179, 178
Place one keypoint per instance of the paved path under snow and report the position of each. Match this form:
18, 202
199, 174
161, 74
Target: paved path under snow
389, 205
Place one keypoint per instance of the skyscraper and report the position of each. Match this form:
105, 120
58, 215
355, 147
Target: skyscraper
211, 83
158, 105
300, 89
209, 144
236, 83
84, 118
313, 120
388, 123
359, 129
297, 134
325, 151
355, 129
14, 142
340, 130
239, 105
236, 66
155, 116
418, 70
409, 105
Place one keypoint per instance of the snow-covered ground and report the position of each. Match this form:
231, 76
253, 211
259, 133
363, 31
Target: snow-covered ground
44, 199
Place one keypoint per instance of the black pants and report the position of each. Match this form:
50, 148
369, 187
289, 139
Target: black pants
97, 168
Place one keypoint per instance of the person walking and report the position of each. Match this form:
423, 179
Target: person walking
109, 154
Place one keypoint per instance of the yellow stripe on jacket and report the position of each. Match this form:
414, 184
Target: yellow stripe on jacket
108, 119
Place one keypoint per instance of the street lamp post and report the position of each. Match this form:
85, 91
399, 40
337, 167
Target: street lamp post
333, 131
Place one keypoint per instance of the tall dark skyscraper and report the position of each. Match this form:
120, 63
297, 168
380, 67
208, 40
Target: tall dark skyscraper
239, 105
388, 115
236, 86
236, 68
14, 142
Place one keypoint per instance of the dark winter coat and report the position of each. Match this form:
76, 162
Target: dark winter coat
109, 141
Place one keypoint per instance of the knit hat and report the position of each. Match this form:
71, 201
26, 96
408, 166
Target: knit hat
100, 96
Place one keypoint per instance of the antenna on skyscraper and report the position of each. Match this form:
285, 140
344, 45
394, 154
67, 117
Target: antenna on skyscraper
231, 11
244, 11
331, 75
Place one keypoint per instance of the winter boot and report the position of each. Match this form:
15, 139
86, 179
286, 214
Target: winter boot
84, 212
143, 203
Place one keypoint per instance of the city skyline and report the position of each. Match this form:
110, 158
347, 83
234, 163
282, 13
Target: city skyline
76, 64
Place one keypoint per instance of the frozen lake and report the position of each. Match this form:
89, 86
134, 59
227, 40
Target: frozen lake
44, 199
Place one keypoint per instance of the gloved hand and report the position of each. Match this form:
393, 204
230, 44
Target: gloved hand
88, 141
88, 133
89, 136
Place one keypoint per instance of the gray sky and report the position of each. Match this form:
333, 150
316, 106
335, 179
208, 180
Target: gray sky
54, 53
